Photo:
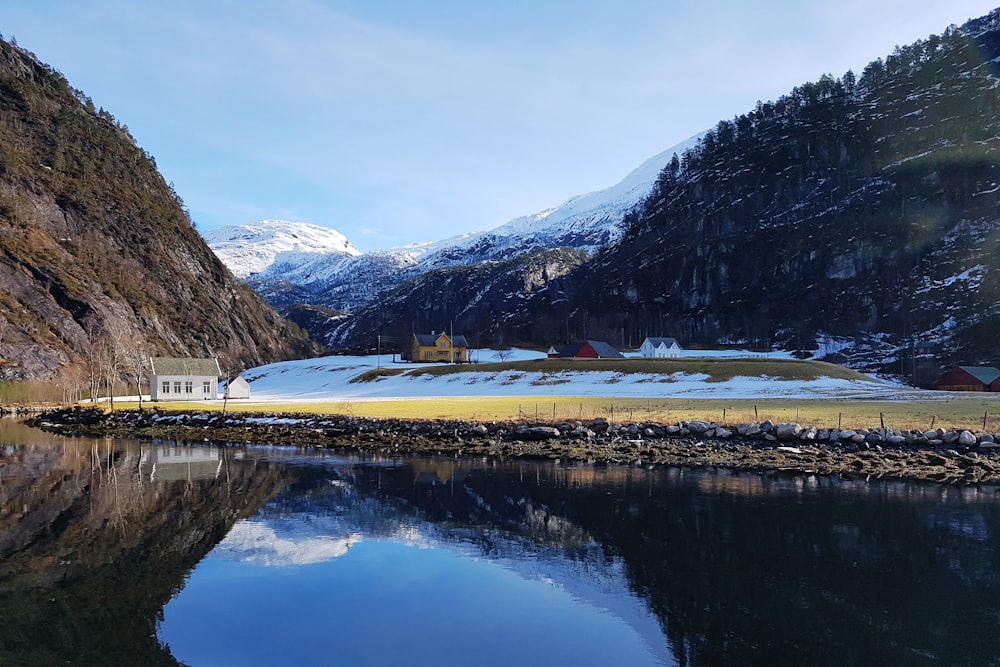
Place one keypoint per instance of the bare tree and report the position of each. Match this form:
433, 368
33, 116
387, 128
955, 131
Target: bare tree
74, 381
135, 361
94, 358
117, 340
230, 369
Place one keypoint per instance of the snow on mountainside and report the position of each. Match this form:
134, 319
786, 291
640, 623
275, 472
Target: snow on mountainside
584, 222
259, 246
602, 210
288, 261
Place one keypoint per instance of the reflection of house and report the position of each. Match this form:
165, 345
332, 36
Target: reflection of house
170, 464
589, 349
438, 347
970, 378
660, 348
238, 387
181, 379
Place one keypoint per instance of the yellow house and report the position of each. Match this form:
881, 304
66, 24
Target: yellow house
438, 347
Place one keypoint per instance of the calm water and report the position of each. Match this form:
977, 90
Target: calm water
115, 552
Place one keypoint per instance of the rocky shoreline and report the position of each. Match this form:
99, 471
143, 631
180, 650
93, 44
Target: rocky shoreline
943, 456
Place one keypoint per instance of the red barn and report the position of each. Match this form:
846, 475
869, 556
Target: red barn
970, 378
590, 349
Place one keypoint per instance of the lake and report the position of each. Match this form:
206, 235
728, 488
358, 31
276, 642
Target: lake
117, 552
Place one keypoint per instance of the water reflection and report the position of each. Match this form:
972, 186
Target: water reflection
92, 546
315, 559
412, 549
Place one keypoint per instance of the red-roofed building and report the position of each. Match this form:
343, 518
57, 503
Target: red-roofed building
970, 378
589, 349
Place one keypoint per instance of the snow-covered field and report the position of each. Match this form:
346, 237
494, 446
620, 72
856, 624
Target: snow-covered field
329, 378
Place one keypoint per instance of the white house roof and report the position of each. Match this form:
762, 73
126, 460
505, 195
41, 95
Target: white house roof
666, 342
185, 366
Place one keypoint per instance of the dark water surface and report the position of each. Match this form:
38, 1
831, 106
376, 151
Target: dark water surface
119, 553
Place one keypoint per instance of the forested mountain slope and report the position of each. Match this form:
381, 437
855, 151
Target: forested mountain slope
859, 214
95, 246
866, 209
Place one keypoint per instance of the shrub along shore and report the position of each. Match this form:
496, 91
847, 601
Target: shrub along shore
945, 456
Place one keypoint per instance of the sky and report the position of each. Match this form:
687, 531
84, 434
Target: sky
397, 122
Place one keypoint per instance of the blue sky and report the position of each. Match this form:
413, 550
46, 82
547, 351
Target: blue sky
397, 122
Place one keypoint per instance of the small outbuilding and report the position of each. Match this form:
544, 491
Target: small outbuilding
660, 348
238, 387
970, 378
590, 349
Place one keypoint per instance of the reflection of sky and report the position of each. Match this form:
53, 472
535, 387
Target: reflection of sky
384, 603
345, 580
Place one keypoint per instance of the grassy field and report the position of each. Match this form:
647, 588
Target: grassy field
717, 369
961, 411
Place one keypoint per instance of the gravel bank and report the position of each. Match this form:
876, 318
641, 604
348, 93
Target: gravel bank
944, 456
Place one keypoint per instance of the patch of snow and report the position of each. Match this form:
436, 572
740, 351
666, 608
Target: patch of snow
329, 379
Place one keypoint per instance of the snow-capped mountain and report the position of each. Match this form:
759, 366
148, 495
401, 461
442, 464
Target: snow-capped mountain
584, 222
277, 247
294, 261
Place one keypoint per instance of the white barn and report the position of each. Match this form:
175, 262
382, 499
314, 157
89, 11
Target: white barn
660, 348
179, 379
238, 387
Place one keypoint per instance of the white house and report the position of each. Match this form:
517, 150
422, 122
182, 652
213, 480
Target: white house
660, 348
238, 387
174, 379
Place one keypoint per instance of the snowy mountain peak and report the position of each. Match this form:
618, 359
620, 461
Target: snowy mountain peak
325, 269
255, 247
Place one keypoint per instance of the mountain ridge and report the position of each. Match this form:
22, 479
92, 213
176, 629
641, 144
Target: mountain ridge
328, 277
97, 251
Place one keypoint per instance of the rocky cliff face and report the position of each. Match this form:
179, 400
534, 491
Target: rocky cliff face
92, 240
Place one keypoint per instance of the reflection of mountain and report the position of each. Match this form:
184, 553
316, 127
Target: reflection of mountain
259, 543
709, 567
91, 549
434, 503
738, 568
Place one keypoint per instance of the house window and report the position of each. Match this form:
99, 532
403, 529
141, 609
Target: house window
428, 355
189, 387
206, 387
166, 387
177, 387
442, 345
